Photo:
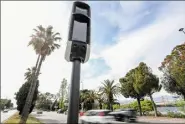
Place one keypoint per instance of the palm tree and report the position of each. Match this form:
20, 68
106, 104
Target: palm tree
44, 42
92, 96
100, 99
109, 89
87, 98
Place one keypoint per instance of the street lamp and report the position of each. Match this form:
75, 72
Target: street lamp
182, 29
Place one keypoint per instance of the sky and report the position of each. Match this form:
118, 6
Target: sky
124, 33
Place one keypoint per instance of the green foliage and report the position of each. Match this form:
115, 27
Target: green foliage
173, 68
61, 105
62, 93
127, 88
116, 106
181, 104
140, 82
5, 103
109, 90
175, 115
105, 106
22, 94
145, 82
44, 101
146, 105
87, 97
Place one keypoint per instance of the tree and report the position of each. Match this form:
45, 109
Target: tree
109, 89
22, 94
87, 98
146, 82
63, 93
24, 89
44, 101
127, 88
100, 99
44, 43
173, 68
5, 103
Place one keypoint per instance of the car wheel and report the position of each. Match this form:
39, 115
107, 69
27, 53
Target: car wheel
126, 119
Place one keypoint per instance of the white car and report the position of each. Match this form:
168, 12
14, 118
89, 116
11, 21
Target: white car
96, 116
5, 110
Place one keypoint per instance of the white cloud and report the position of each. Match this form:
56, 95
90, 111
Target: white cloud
149, 44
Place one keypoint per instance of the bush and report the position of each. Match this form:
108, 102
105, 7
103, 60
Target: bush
104, 106
180, 104
116, 106
146, 106
175, 115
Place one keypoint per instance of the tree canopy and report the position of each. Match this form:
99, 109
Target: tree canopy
5, 103
173, 68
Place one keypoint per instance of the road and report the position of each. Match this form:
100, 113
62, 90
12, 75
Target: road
5, 116
53, 117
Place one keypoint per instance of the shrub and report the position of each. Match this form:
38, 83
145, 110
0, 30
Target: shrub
175, 115
116, 106
146, 106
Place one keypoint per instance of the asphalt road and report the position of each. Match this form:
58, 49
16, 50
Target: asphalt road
5, 116
53, 117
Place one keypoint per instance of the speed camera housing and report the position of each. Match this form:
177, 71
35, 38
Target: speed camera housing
78, 44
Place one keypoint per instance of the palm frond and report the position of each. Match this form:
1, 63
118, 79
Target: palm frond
58, 38
57, 33
35, 30
56, 45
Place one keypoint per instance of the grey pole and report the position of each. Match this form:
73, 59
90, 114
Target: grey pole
74, 94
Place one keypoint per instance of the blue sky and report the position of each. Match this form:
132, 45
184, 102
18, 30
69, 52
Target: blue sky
105, 29
124, 33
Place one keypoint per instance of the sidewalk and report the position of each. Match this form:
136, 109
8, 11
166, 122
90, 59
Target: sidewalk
150, 119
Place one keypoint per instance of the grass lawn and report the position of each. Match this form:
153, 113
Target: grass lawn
16, 118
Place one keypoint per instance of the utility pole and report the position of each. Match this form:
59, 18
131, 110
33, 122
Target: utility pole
77, 52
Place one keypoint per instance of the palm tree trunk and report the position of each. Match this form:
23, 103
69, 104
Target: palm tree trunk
37, 61
139, 106
100, 105
30, 95
153, 104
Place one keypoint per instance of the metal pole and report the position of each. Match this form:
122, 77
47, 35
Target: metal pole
74, 94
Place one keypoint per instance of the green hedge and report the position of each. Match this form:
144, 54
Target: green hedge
175, 115
146, 105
